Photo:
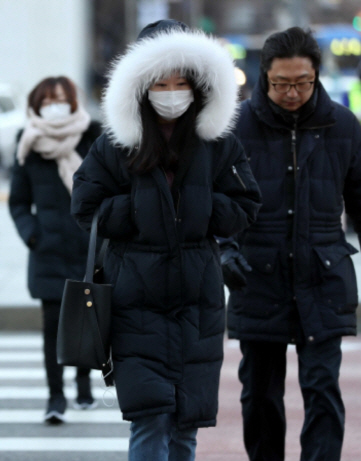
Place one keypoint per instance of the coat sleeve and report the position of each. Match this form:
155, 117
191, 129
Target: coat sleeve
352, 186
20, 203
95, 185
236, 195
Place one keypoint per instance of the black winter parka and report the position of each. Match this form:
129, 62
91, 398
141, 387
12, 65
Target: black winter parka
168, 300
40, 207
303, 283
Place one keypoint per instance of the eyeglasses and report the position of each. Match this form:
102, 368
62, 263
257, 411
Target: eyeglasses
300, 87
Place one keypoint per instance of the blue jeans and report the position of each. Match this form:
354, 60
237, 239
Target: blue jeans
156, 438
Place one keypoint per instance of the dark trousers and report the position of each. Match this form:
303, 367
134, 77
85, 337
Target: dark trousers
262, 372
54, 371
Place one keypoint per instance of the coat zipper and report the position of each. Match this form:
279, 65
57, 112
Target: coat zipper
294, 159
234, 170
176, 208
294, 153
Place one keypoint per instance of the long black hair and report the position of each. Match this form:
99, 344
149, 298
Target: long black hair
154, 150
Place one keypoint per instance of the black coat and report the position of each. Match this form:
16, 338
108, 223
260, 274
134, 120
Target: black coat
40, 207
303, 280
163, 262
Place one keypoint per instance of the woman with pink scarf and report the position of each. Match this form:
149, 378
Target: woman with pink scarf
56, 138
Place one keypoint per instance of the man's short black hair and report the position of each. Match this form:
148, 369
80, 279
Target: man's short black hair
293, 42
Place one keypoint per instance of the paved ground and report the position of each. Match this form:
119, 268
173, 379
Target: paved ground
224, 443
86, 436
102, 433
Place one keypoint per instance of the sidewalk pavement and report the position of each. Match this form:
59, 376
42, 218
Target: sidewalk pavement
18, 311
225, 442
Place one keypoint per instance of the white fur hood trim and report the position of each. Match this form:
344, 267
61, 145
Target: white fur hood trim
151, 59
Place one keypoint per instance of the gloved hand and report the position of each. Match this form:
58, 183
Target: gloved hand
234, 267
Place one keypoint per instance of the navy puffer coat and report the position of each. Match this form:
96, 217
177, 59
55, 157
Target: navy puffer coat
168, 299
168, 313
303, 281
40, 207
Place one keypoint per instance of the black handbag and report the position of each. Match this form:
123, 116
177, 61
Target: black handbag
85, 317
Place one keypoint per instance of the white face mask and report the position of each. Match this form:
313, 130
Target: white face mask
171, 104
55, 111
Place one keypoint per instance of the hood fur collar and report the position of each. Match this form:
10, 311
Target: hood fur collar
151, 59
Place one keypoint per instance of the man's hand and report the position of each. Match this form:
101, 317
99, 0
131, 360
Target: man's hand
234, 267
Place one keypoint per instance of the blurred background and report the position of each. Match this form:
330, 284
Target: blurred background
79, 38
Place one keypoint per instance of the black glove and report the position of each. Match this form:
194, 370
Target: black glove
234, 267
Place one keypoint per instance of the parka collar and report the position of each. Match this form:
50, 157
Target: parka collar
321, 116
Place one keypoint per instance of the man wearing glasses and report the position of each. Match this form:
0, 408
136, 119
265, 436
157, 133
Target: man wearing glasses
299, 285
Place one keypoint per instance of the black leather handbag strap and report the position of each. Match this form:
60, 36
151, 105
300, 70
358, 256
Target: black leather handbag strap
107, 365
91, 264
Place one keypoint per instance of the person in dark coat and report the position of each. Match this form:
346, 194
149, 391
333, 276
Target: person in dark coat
166, 177
299, 286
57, 137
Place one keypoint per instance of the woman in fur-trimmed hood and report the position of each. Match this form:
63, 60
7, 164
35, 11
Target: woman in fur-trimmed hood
167, 177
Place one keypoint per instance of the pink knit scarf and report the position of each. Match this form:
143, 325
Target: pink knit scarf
55, 140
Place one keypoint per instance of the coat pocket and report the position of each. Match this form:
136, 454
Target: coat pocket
335, 277
265, 289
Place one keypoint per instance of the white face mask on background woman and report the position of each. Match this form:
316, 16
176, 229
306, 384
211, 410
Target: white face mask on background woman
171, 104
55, 111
